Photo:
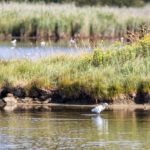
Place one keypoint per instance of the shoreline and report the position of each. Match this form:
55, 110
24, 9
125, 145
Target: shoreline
11, 103
109, 77
73, 107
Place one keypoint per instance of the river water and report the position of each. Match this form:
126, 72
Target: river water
75, 130
34, 51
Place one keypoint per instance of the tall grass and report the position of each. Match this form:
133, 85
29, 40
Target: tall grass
23, 19
100, 75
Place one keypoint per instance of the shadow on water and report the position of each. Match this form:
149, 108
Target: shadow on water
100, 123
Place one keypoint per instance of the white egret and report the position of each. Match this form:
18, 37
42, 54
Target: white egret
73, 42
98, 109
122, 40
14, 42
43, 43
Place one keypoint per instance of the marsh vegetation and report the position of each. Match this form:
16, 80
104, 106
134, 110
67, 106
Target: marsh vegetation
119, 73
55, 21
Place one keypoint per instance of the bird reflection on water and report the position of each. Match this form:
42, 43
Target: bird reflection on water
100, 123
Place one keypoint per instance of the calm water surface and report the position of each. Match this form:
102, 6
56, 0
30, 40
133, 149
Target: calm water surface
34, 51
112, 130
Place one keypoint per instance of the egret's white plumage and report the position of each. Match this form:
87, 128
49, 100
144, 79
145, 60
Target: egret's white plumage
122, 39
72, 42
98, 109
43, 43
14, 42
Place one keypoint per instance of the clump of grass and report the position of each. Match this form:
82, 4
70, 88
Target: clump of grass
126, 53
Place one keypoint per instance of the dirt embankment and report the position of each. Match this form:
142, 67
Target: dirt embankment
51, 98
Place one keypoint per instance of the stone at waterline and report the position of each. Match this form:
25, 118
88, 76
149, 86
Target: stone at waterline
10, 100
37, 101
27, 100
10, 108
47, 101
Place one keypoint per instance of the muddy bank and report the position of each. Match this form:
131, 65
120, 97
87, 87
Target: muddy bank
70, 107
19, 98
84, 107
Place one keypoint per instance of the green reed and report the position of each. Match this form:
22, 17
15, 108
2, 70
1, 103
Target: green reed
23, 19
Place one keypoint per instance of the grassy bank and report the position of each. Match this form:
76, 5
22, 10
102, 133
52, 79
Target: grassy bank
102, 75
40, 20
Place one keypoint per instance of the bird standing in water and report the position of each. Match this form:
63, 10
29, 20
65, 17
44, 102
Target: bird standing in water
98, 109
43, 44
73, 43
14, 42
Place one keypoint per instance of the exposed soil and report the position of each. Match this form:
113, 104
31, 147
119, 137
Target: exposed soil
41, 96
